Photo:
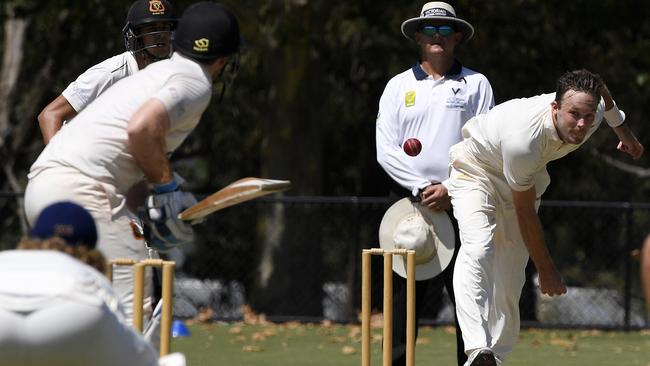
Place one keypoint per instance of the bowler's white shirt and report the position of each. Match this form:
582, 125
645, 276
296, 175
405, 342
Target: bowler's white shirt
433, 111
516, 140
98, 78
95, 142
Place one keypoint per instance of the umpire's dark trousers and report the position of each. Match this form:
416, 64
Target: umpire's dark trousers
431, 287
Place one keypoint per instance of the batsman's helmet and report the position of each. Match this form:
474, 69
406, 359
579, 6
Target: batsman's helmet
147, 12
207, 31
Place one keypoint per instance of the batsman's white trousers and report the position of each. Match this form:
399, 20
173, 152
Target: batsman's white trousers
490, 269
116, 238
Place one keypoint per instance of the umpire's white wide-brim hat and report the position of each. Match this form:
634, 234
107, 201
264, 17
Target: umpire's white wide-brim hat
409, 225
437, 11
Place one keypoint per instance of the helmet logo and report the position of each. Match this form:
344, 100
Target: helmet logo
156, 7
201, 45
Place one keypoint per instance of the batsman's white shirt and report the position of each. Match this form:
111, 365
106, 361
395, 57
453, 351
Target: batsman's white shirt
55, 310
95, 142
506, 149
98, 78
414, 105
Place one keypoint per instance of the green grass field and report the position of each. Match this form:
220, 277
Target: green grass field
323, 345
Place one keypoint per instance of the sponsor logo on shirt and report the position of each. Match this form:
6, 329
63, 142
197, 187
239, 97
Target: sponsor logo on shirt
455, 103
201, 45
409, 98
156, 7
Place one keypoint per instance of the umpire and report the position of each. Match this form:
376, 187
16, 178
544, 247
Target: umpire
430, 102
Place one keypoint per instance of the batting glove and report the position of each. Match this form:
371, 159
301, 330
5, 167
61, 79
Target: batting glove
166, 230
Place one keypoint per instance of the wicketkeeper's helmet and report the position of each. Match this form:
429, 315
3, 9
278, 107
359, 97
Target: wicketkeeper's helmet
146, 12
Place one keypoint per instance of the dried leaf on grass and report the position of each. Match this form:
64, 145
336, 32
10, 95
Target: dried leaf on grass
591, 333
292, 325
569, 344
268, 332
251, 348
205, 315
450, 330
376, 319
347, 350
251, 317
326, 323
258, 336
337, 339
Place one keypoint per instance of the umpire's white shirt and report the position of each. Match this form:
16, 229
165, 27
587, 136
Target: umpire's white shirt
98, 78
55, 310
433, 111
95, 142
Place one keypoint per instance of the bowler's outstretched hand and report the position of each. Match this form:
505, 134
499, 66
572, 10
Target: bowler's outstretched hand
550, 283
628, 142
634, 148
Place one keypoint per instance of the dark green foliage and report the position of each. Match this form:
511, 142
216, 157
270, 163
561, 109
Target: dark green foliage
304, 104
313, 72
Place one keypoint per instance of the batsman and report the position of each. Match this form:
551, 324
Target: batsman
128, 133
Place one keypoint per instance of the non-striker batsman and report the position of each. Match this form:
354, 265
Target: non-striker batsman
147, 38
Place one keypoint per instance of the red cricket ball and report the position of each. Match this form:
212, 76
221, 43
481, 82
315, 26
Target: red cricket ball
412, 146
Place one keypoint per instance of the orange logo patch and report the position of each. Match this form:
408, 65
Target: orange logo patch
156, 7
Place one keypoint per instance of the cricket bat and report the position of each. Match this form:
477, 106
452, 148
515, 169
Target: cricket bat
242, 190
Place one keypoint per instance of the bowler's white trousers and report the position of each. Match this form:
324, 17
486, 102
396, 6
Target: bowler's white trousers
490, 269
116, 238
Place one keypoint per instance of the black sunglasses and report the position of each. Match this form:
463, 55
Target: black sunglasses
431, 30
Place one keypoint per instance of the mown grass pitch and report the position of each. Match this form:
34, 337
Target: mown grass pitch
331, 344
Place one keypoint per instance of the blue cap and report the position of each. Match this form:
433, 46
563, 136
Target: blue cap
68, 221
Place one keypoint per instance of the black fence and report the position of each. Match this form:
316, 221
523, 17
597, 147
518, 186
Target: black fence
299, 258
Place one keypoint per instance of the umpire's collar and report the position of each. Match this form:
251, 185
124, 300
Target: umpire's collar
453, 73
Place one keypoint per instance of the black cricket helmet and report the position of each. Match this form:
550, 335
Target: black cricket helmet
207, 31
150, 12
